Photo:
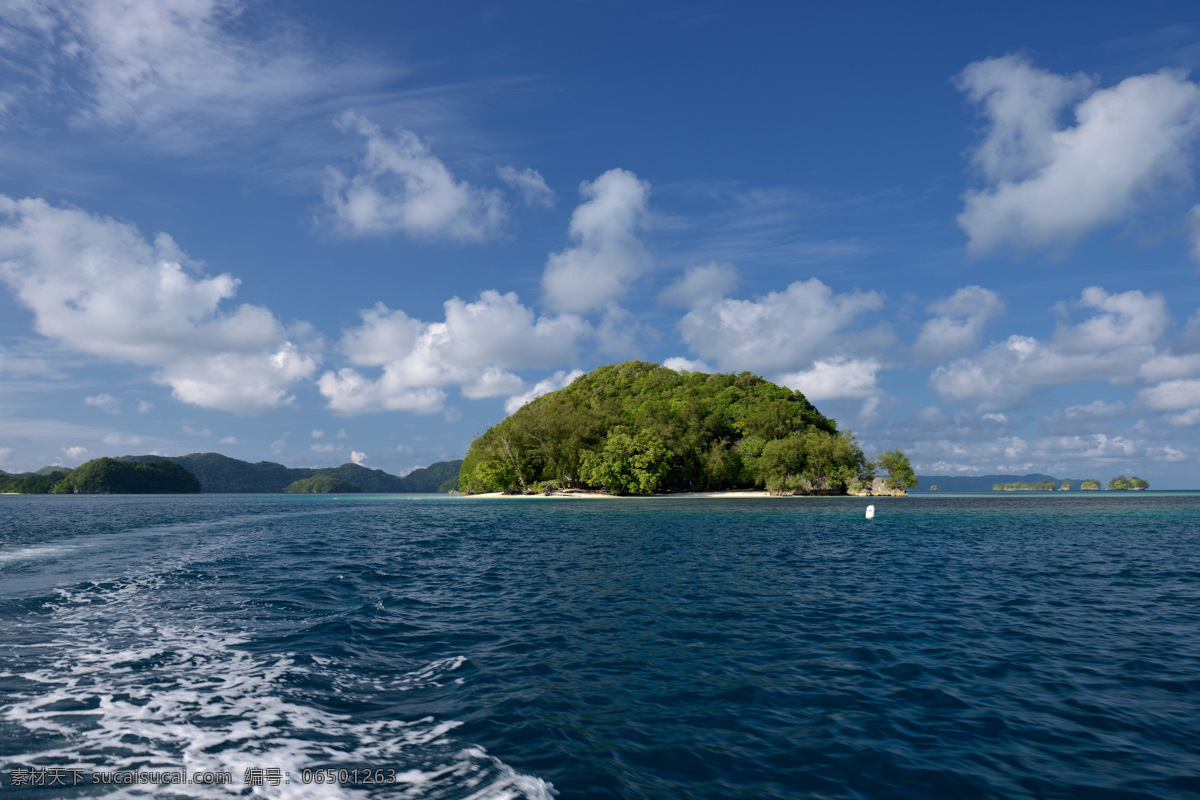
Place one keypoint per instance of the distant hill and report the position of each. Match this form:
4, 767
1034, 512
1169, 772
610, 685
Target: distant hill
321, 484
984, 483
111, 476
222, 474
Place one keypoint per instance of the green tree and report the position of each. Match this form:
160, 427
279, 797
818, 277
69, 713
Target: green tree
1091, 484
898, 468
628, 464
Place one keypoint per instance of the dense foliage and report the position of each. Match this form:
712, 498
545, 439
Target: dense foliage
110, 476
639, 428
40, 482
1091, 484
899, 470
1039, 486
322, 484
1121, 482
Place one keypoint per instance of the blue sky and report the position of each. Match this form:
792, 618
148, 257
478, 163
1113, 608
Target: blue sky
283, 232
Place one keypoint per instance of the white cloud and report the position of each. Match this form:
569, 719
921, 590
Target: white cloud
959, 324
317, 434
621, 336
835, 378
144, 406
326, 447
402, 187
552, 384
783, 332
357, 456
476, 348
1171, 395
229, 440
608, 255
701, 284
75, 452
95, 285
681, 364
105, 402
1112, 345
122, 440
1046, 185
531, 185
1097, 409
174, 70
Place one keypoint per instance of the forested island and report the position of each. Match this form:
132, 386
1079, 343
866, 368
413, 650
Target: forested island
217, 473
640, 428
105, 476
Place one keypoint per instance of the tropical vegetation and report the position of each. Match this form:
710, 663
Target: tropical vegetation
1037, 486
111, 476
1135, 483
322, 484
640, 428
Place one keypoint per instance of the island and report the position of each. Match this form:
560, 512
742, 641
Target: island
322, 484
639, 428
221, 474
112, 476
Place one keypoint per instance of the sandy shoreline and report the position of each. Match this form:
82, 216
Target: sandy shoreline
577, 495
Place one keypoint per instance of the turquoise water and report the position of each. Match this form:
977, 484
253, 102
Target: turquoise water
953, 647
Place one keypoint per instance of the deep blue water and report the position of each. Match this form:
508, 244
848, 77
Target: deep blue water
953, 647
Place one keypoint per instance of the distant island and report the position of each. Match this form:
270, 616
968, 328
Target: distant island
216, 473
1025, 483
641, 428
105, 476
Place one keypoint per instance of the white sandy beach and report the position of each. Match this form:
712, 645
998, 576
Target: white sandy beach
604, 495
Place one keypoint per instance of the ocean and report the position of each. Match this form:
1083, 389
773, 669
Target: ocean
1019, 646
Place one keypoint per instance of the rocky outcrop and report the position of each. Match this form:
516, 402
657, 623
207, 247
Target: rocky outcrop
880, 487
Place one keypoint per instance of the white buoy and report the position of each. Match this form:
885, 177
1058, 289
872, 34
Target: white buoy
870, 512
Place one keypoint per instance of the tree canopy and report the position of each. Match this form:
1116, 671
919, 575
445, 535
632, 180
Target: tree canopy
640, 428
111, 476
322, 484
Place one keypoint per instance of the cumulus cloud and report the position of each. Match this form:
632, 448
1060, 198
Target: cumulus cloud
476, 348
959, 324
1047, 184
530, 183
1171, 395
835, 378
783, 332
97, 286
175, 70
357, 456
401, 187
608, 254
552, 384
701, 284
105, 402
681, 364
1111, 345
75, 452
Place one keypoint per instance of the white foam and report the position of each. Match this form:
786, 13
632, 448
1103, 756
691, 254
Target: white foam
34, 553
158, 694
